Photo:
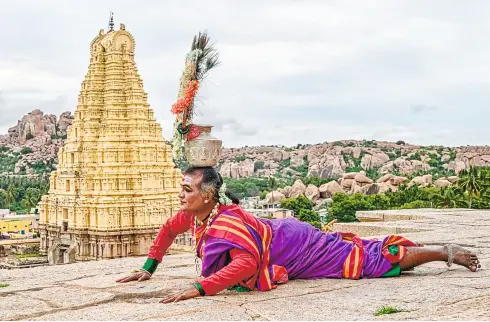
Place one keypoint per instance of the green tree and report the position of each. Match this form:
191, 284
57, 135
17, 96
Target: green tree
449, 197
470, 182
344, 207
308, 215
31, 198
263, 194
26, 150
10, 196
311, 217
239, 158
3, 203
373, 174
272, 186
296, 204
272, 183
417, 204
315, 180
258, 165
426, 197
404, 195
378, 202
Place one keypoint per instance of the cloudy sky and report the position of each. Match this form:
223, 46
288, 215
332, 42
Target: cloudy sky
292, 71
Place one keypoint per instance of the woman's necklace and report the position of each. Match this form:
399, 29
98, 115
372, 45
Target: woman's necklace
198, 223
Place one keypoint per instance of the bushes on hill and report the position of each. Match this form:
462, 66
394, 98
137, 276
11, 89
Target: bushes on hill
344, 207
26, 150
7, 162
239, 158
315, 180
40, 167
302, 169
247, 187
258, 165
284, 164
415, 156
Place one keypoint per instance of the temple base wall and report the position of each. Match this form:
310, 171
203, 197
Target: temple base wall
93, 245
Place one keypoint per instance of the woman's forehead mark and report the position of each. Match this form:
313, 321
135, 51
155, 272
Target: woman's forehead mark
187, 180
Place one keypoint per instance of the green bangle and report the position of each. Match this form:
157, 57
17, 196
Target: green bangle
183, 130
199, 288
150, 265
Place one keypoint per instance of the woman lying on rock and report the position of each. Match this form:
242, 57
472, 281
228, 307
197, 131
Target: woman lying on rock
242, 252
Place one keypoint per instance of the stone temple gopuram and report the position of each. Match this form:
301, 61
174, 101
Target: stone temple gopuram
115, 182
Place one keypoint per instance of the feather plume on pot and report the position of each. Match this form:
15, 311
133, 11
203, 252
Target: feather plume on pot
202, 58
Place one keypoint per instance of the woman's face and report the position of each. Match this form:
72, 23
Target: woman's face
191, 199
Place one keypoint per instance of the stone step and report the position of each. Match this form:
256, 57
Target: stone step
385, 215
366, 230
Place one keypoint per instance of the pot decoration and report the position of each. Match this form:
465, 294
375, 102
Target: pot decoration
204, 150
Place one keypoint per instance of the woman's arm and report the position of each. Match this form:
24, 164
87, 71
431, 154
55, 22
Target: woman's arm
243, 265
178, 224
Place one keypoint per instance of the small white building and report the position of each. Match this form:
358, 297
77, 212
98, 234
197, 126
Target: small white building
4, 212
250, 202
270, 205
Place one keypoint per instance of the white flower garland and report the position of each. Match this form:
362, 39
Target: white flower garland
223, 198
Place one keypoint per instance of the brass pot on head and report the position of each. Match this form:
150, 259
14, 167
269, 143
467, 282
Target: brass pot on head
204, 150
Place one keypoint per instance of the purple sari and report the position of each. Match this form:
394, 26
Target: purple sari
303, 251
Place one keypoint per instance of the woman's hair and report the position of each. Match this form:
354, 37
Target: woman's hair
211, 181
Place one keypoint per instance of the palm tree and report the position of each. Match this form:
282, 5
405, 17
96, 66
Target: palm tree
470, 181
449, 197
428, 194
10, 196
3, 203
272, 185
44, 187
30, 198
485, 179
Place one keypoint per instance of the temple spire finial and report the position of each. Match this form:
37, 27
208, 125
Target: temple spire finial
111, 21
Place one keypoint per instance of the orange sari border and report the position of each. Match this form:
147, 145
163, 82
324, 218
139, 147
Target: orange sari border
352, 268
232, 224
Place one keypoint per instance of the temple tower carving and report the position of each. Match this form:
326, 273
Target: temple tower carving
115, 183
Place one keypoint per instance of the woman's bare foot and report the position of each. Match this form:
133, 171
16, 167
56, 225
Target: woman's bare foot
458, 255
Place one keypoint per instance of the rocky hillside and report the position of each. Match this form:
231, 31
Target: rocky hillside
31, 147
368, 167
332, 160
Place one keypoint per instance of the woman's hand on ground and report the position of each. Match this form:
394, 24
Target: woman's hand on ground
138, 276
181, 295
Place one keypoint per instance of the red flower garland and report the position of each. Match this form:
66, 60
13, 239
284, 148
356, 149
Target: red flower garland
193, 133
186, 101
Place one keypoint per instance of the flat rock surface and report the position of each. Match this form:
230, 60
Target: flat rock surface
88, 291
